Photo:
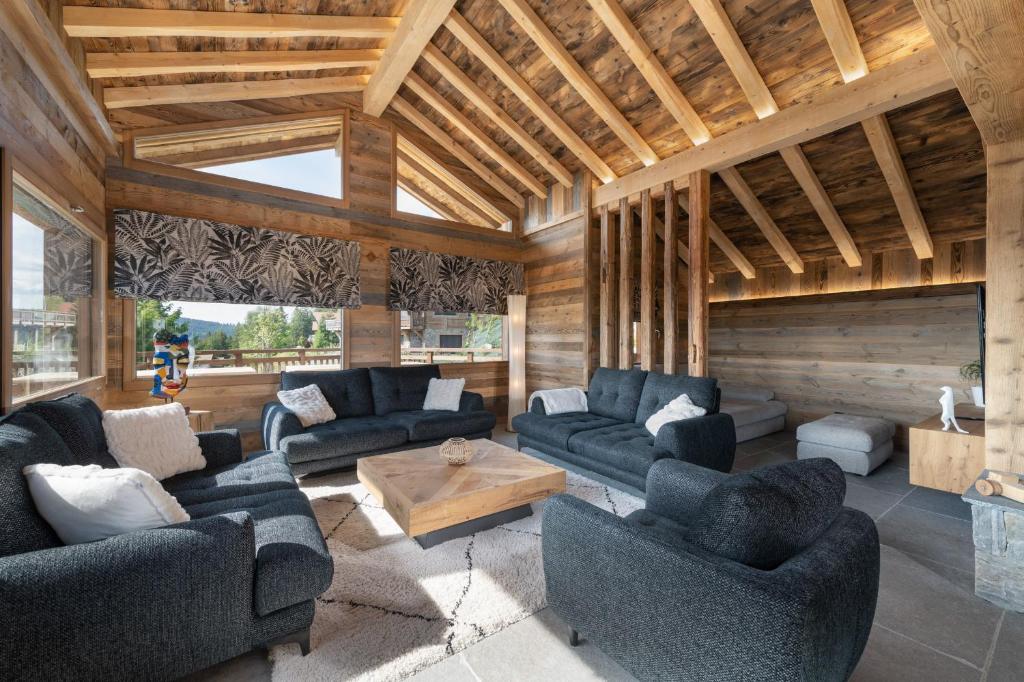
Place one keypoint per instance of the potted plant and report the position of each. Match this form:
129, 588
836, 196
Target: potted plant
971, 373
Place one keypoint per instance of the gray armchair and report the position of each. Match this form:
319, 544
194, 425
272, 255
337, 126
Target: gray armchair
759, 576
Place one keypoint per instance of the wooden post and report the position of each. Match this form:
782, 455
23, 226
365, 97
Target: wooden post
648, 253
516, 357
697, 327
609, 287
625, 284
670, 281
586, 181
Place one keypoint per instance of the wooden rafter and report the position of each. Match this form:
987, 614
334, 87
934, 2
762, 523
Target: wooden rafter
453, 181
429, 174
132, 64
762, 219
723, 242
433, 204
736, 56
479, 138
412, 114
110, 22
420, 22
478, 98
909, 80
508, 76
555, 51
636, 48
842, 40
149, 95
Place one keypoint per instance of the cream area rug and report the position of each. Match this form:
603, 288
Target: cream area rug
395, 608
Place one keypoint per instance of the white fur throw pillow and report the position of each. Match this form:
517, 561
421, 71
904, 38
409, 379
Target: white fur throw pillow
156, 439
444, 394
680, 408
87, 503
309, 405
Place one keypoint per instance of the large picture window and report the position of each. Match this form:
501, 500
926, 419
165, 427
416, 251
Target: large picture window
429, 338
231, 338
52, 296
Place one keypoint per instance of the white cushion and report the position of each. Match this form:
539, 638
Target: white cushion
309, 405
156, 439
87, 503
680, 408
444, 394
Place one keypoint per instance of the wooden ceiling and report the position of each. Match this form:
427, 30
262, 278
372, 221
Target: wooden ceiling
526, 93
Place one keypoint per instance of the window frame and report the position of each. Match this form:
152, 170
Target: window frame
13, 171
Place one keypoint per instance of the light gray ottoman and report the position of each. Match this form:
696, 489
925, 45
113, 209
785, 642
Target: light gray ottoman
857, 444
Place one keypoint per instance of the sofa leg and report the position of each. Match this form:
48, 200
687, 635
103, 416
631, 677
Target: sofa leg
303, 639
300, 637
574, 637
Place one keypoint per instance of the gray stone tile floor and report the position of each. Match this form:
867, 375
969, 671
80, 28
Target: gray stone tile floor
929, 625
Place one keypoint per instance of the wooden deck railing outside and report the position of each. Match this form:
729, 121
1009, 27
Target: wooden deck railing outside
270, 360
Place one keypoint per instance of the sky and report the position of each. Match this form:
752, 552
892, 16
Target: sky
27, 289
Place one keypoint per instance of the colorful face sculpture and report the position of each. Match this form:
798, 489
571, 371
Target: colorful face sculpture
172, 360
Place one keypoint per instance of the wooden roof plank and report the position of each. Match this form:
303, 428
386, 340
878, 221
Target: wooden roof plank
555, 51
508, 76
420, 22
148, 95
134, 64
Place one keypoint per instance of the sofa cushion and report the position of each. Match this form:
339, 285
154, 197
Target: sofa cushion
435, 424
79, 421
556, 429
259, 473
344, 437
750, 411
764, 517
401, 389
292, 561
347, 391
624, 446
25, 439
615, 393
665, 529
661, 389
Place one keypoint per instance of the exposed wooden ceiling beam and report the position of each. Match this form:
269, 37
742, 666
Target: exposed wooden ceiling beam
433, 204
412, 114
149, 95
578, 78
508, 76
907, 81
762, 219
429, 173
132, 64
455, 182
723, 242
470, 130
476, 96
842, 39
636, 48
114, 22
420, 22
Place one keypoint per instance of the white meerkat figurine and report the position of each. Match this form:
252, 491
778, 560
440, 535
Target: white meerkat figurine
948, 413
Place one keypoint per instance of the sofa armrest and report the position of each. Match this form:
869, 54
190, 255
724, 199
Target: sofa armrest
471, 402
277, 424
709, 441
675, 489
149, 604
537, 407
221, 447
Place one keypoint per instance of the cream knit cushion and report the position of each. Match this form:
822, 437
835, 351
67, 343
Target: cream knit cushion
444, 394
157, 440
309, 405
680, 408
87, 503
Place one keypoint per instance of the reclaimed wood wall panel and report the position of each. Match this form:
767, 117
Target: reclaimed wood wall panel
370, 164
880, 353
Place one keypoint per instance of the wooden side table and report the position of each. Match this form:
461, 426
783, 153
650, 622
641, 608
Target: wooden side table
201, 420
946, 460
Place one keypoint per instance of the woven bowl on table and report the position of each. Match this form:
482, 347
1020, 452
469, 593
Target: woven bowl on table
456, 451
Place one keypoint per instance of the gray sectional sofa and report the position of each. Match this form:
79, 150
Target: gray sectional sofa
755, 411
379, 410
156, 604
609, 441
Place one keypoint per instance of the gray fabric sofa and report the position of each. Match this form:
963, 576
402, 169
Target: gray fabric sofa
379, 410
755, 576
610, 443
154, 604
754, 410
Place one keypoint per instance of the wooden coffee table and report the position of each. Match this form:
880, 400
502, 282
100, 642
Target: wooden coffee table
434, 501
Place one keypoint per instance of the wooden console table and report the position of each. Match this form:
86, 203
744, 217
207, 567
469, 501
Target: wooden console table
946, 460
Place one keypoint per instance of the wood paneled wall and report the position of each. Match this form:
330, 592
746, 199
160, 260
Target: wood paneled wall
882, 353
